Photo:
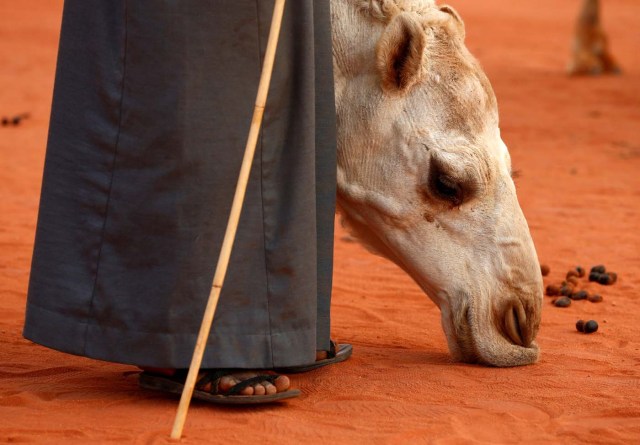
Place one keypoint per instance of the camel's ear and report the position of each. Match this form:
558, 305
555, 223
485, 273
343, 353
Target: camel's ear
456, 17
400, 53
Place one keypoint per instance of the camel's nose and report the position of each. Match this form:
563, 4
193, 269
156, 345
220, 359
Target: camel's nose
517, 327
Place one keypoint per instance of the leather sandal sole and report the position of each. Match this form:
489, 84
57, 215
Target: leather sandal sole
344, 351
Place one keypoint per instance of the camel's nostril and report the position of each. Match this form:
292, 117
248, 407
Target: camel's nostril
515, 325
512, 327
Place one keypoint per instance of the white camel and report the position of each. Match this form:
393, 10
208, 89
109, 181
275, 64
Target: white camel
424, 178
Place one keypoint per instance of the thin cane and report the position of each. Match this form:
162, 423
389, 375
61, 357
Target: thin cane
232, 225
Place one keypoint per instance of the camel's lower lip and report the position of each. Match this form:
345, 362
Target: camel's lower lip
527, 356
515, 356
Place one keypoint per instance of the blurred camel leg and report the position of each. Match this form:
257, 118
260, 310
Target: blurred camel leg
590, 47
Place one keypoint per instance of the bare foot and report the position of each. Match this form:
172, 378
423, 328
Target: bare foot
225, 383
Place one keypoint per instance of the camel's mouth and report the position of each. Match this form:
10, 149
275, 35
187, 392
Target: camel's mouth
474, 338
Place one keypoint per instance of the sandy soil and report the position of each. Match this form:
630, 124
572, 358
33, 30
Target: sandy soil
577, 145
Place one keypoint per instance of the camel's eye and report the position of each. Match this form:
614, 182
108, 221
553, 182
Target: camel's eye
448, 182
446, 188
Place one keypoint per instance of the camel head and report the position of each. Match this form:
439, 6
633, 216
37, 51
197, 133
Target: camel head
424, 178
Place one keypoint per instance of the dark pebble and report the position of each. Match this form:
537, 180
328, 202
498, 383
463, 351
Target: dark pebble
590, 327
580, 295
5, 121
595, 298
553, 290
562, 302
594, 276
580, 325
581, 271
544, 270
598, 269
16, 120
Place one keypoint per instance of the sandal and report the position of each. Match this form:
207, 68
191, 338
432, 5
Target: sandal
337, 353
175, 384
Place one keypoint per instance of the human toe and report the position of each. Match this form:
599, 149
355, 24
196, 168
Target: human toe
282, 383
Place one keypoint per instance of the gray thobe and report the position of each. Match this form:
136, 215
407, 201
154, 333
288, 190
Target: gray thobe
151, 110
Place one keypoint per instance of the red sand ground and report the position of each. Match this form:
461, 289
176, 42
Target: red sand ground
577, 144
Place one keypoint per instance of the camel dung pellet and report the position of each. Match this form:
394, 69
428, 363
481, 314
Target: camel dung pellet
581, 271
580, 295
607, 278
5, 121
562, 302
544, 269
566, 290
553, 290
614, 276
580, 325
16, 120
599, 269
572, 273
594, 276
573, 280
590, 327
595, 298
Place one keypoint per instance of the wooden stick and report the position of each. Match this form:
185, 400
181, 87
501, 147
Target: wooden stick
232, 225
